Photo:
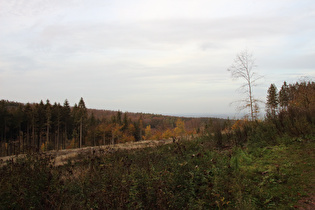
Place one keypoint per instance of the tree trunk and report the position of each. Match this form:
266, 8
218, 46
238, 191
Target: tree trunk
28, 142
33, 134
65, 137
251, 101
113, 138
47, 135
58, 137
81, 132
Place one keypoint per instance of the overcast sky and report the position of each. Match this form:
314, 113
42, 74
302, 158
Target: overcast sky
165, 56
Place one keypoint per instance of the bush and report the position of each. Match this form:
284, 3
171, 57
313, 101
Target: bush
263, 134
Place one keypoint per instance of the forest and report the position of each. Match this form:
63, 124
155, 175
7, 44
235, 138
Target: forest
245, 164
40, 127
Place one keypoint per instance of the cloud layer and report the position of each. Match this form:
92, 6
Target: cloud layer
150, 56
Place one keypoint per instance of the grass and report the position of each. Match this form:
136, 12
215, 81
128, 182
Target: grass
185, 175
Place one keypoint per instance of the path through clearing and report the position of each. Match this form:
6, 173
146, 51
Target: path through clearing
62, 156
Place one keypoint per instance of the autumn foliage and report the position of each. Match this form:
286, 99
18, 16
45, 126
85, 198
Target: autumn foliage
44, 126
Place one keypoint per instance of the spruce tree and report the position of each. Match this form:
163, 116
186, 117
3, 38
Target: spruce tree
82, 116
284, 96
28, 120
40, 120
272, 100
48, 120
67, 123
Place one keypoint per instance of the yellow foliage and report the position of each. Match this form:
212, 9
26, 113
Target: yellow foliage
180, 128
168, 134
148, 132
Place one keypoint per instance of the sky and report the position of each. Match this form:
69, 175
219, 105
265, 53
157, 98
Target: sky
164, 57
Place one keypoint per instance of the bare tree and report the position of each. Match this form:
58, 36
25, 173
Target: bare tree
242, 68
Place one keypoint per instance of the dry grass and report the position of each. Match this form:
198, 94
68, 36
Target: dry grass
62, 156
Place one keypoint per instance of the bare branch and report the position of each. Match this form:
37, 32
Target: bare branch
242, 68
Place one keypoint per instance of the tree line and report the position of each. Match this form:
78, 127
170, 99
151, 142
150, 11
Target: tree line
292, 108
35, 127
293, 97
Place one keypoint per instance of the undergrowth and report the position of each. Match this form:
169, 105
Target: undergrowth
184, 175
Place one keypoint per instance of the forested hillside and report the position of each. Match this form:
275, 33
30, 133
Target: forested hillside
260, 164
45, 126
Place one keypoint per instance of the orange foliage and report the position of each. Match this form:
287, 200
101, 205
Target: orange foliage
126, 138
72, 144
157, 135
239, 124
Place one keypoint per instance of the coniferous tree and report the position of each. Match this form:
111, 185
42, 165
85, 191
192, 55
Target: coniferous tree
57, 109
125, 123
3, 120
118, 118
82, 111
67, 122
284, 96
48, 121
40, 118
18, 128
28, 120
76, 122
272, 100
140, 127
34, 114
136, 133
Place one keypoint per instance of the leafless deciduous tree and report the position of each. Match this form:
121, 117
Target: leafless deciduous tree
243, 68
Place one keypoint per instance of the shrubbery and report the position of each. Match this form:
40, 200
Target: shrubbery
190, 174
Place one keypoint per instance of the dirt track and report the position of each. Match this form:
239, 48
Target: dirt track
62, 156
